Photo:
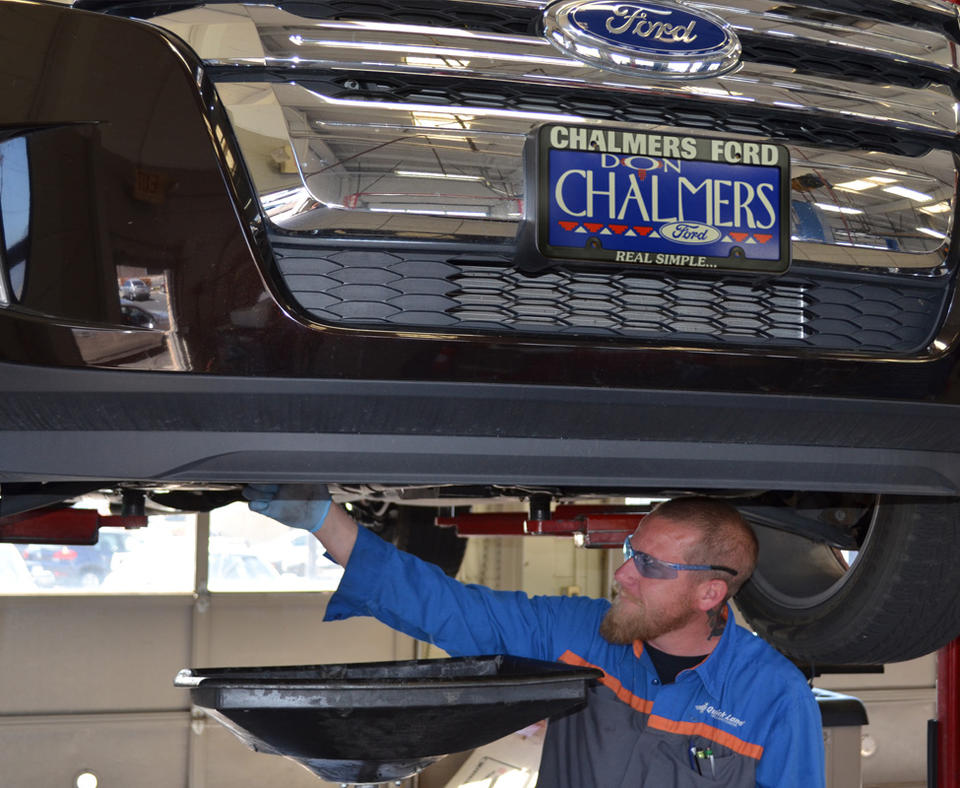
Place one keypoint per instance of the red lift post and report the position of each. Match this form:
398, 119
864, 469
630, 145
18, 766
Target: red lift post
947, 762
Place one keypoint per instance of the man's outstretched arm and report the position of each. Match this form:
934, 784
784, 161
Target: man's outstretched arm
416, 597
307, 506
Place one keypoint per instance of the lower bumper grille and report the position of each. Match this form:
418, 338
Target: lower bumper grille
381, 290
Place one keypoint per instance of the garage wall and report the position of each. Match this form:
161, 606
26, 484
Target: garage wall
88, 684
899, 702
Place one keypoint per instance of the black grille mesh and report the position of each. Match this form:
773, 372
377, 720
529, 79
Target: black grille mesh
811, 58
514, 20
434, 292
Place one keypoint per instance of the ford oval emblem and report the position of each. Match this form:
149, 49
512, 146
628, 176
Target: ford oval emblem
666, 40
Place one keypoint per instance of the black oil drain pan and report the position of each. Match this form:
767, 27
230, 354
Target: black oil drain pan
379, 721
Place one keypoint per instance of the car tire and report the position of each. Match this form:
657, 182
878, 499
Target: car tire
897, 601
90, 578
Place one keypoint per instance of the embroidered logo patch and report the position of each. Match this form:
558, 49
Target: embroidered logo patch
720, 716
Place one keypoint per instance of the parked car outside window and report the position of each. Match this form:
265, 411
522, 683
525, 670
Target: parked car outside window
77, 566
135, 290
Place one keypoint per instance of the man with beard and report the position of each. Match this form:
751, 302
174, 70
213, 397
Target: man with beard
688, 698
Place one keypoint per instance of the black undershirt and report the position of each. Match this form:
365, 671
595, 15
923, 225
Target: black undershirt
669, 665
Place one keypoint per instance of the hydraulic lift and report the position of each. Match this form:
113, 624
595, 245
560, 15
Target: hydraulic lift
944, 756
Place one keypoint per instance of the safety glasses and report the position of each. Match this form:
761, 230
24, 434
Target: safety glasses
654, 568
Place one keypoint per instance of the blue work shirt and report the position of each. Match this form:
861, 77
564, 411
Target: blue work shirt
745, 704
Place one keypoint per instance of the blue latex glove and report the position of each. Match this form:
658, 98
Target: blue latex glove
297, 505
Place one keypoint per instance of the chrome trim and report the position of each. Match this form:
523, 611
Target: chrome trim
302, 46
785, 21
933, 6
914, 45
363, 164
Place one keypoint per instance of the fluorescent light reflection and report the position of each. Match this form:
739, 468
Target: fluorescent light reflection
423, 30
436, 62
825, 206
932, 233
910, 194
447, 175
865, 183
428, 212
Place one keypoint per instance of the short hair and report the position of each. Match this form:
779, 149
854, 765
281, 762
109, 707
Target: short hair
725, 537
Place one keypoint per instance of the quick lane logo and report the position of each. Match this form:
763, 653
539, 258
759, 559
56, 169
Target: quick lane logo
720, 716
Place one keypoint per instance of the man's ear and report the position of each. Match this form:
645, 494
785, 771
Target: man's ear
711, 593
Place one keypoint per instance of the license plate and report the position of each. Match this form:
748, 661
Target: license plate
629, 198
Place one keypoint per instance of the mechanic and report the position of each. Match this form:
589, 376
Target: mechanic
688, 698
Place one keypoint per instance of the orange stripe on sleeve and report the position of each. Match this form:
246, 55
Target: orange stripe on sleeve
633, 701
739, 746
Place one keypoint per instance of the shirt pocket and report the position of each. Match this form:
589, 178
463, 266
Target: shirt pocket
676, 764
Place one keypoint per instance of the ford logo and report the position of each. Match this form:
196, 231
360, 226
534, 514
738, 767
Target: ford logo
690, 233
666, 40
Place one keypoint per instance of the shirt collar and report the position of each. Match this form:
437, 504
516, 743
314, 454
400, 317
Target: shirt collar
712, 670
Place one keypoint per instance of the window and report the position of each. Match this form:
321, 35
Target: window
156, 559
250, 552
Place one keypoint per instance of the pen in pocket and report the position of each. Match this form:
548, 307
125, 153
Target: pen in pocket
694, 760
700, 754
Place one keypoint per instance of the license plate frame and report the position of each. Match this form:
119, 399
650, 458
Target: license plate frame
727, 200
